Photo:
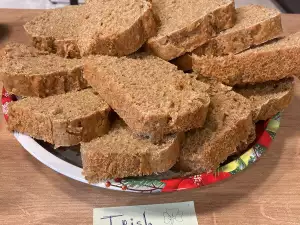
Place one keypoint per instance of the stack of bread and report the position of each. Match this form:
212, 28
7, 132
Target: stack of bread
108, 57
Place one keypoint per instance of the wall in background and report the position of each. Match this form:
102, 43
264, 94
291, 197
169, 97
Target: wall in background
27, 4
46, 4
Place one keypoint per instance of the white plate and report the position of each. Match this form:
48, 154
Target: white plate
51, 160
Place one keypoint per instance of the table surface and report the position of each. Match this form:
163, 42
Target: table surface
266, 193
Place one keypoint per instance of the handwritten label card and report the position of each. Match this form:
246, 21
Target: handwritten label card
182, 213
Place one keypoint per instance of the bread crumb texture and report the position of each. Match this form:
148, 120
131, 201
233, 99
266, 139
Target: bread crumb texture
109, 27
270, 62
229, 123
187, 24
62, 120
267, 99
255, 25
26, 71
151, 95
121, 154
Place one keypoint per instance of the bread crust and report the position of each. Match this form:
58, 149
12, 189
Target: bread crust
236, 41
197, 33
27, 72
117, 44
125, 43
240, 40
205, 149
154, 123
269, 98
271, 107
243, 146
99, 164
59, 132
43, 85
249, 67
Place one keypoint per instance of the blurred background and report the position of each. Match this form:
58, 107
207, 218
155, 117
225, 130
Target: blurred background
288, 6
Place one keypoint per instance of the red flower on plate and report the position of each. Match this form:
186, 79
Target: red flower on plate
6, 98
179, 184
210, 178
265, 139
193, 182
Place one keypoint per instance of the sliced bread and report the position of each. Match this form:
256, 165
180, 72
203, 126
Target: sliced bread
255, 25
268, 99
107, 27
187, 24
26, 71
121, 154
269, 62
229, 123
148, 93
244, 145
62, 120
18, 50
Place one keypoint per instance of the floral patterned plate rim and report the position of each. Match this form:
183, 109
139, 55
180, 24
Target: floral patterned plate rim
265, 130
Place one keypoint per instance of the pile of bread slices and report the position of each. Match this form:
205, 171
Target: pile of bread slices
102, 75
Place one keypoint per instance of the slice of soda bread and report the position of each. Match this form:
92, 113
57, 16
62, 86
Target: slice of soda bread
111, 27
187, 24
149, 94
269, 62
229, 123
25, 71
255, 25
269, 98
121, 154
62, 120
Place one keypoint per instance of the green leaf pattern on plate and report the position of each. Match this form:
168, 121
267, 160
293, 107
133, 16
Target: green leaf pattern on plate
156, 184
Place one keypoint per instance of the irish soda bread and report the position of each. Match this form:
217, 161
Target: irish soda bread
109, 27
273, 61
26, 71
255, 25
187, 24
150, 94
121, 154
244, 145
229, 123
168, 121
62, 120
269, 98
15, 50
